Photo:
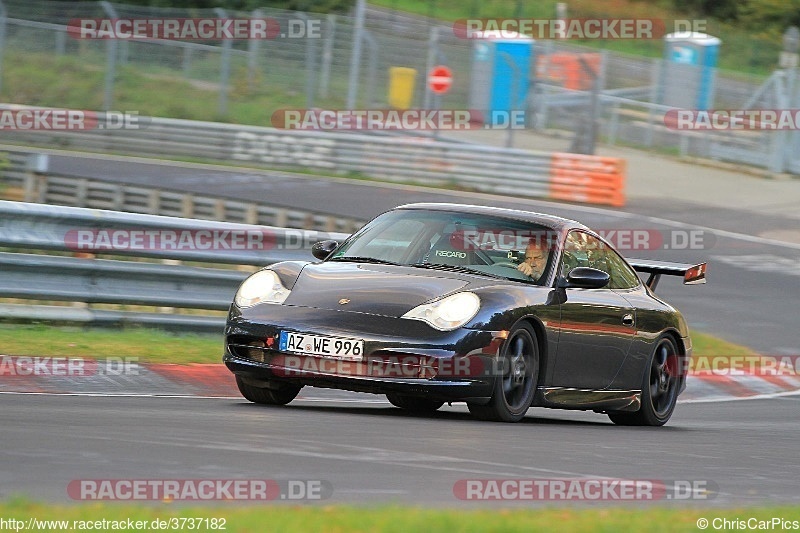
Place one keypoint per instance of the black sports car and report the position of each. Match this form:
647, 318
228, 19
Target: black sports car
434, 303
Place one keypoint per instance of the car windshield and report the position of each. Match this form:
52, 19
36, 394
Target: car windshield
459, 242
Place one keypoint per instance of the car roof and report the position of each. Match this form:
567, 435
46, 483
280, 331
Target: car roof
552, 221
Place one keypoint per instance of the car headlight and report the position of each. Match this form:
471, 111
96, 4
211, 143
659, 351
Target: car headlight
448, 313
263, 287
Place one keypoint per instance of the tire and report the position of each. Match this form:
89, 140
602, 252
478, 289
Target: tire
660, 386
515, 388
413, 404
281, 395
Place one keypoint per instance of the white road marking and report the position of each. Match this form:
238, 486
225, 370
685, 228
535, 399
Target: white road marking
714, 399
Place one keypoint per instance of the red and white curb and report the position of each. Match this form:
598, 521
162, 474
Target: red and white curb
215, 381
741, 386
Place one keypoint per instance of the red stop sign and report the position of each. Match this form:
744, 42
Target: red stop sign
440, 79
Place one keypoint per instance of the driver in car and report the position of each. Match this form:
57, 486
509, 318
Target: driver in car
535, 260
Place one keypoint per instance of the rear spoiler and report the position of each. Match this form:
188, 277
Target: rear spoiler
692, 274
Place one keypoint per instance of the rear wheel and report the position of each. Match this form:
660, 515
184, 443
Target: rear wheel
413, 404
274, 395
515, 387
659, 389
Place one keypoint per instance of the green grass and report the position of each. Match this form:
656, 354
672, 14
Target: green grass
705, 345
395, 519
76, 82
149, 346
160, 347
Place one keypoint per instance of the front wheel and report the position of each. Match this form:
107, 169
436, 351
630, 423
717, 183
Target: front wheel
515, 387
659, 389
274, 395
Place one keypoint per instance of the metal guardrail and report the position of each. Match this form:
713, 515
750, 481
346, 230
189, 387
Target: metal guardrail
23, 185
483, 168
81, 277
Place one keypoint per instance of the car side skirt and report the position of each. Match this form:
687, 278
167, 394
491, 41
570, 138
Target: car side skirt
586, 399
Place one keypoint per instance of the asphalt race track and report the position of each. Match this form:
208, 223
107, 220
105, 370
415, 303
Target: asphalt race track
744, 301
370, 452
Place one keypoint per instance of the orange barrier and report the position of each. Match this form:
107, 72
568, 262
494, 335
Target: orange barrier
587, 178
568, 70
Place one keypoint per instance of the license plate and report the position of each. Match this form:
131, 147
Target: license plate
336, 347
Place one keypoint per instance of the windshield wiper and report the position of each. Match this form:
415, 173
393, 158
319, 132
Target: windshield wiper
456, 268
364, 259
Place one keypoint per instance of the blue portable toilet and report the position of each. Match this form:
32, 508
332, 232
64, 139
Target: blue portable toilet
689, 70
501, 64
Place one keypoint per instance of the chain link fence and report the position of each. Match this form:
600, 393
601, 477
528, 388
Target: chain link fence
624, 98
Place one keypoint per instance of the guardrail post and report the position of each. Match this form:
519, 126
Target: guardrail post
111, 61
251, 214
119, 198
154, 202
281, 218
219, 210
187, 205
81, 196
224, 69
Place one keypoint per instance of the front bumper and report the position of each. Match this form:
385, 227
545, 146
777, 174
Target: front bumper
400, 355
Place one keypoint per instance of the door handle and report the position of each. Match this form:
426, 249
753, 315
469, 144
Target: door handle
627, 319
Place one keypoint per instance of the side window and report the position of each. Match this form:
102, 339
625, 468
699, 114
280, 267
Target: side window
584, 250
622, 276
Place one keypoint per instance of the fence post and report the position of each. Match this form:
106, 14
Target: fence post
3, 17
311, 64
433, 40
224, 69
355, 56
61, 42
327, 56
111, 61
252, 55
372, 66
186, 63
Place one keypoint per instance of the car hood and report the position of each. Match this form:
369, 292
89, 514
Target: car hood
375, 289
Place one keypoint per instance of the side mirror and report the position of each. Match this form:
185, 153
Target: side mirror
323, 249
584, 278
